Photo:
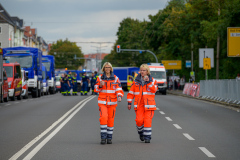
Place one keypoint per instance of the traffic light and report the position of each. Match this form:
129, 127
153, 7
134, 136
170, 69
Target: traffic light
118, 48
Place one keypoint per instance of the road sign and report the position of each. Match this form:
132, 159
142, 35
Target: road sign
206, 63
172, 64
206, 53
188, 64
233, 41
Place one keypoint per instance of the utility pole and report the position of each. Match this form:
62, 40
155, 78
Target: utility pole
218, 49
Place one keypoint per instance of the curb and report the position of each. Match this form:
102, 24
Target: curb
203, 99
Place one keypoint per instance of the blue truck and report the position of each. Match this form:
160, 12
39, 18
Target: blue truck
30, 60
125, 74
49, 63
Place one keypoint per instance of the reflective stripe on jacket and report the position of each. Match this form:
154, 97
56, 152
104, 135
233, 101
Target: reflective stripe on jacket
146, 91
109, 92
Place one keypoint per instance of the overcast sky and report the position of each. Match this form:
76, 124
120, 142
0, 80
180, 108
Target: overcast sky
81, 20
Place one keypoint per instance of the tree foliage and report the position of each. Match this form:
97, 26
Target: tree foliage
64, 52
171, 32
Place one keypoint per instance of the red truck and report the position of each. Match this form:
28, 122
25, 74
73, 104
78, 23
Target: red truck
14, 80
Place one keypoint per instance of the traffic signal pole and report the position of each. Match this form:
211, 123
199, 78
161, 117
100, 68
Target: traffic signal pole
135, 50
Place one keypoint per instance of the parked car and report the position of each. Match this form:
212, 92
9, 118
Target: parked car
13, 71
58, 84
4, 90
24, 85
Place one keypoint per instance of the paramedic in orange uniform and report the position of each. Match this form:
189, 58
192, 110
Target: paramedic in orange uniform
143, 90
110, 91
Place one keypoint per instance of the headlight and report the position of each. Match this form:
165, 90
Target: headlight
9, 84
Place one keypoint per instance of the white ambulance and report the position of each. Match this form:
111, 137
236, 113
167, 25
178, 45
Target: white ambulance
158, 72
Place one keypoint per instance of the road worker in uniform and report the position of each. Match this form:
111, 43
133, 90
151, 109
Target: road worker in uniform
70, 82
93, 81
66, 84
110, 91
143, 90
74, 84
85, 81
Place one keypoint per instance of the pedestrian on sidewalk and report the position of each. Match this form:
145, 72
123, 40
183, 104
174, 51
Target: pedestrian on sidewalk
182, 83
110, 91
143, 90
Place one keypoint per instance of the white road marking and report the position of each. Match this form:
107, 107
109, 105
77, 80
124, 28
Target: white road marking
209, 154
158, 109
7, 104
24, 101
16, 102
38, 147
161, 112
168, 118
177, 126
188, 137
30, 144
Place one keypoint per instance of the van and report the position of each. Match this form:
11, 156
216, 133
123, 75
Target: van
4, 92
14, 77
24, 85
158, 72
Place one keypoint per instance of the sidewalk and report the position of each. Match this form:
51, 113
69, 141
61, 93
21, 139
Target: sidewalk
180, 93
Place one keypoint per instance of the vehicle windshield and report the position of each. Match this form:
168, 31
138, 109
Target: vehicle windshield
24, 61
47, 65
158, 74
43, 74
9, 71
57, 78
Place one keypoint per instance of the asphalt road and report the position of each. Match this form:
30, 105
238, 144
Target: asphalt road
56, 127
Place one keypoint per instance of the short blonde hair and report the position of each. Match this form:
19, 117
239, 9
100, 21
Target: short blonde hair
146, 67
107, 63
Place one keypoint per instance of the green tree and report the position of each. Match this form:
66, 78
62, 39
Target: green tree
65, 52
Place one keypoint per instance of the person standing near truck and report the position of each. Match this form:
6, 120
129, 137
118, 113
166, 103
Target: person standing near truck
74, 84
93, 81
70, 82
66, 84
143, 90
85, 82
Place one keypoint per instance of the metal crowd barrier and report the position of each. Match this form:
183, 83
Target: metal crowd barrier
227, 90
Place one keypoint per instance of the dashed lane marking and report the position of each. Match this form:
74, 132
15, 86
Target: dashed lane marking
207, 152
168, 118
177, 126
188, 137
161, 112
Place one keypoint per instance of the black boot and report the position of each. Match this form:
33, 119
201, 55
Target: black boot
141, 137
103, 141
147, 140
109, 141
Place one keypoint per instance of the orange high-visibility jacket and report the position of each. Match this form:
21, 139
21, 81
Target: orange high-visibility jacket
110, 91
146, 91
